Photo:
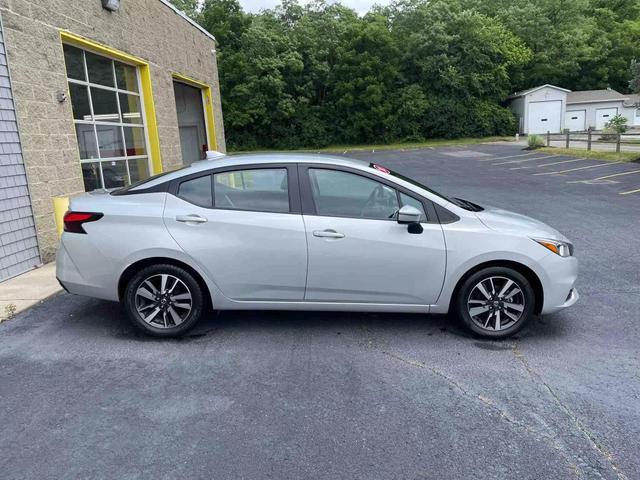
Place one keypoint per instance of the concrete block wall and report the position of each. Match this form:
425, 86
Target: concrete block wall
147, 29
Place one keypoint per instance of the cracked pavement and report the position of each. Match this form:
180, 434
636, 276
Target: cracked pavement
343, 395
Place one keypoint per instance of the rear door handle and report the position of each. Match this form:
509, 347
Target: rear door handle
329, 233
190, 219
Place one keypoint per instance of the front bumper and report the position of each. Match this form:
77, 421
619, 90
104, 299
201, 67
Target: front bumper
558, 282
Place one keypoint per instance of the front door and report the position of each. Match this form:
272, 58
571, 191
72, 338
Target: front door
358, 252
242, 229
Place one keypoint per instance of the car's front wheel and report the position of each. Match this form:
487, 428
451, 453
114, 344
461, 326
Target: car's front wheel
495, 302
164, 300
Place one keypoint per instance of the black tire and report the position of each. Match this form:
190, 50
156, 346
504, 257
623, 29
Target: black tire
468, 292
155, 327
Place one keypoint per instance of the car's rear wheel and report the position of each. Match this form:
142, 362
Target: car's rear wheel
495, 302
164, 300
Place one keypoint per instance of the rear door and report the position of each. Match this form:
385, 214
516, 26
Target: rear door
357, 251
243, 226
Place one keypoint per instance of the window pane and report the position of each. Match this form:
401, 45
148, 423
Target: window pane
74, 62
264, 190
343, 194
115, 174
100, 69
134, 141
105, 105
86, 141
130, 108
80, 101
407, 200
197, 191
126, 77
138, 169
91, 176
110, 141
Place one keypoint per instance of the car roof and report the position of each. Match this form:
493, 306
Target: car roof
238, 160
257, 158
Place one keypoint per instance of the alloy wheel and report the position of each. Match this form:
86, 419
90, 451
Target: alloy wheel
163, 301
496, 303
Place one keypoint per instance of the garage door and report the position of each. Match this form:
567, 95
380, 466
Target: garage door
603, 115
575, 121
545, 116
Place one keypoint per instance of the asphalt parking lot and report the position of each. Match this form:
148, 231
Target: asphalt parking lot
287, 395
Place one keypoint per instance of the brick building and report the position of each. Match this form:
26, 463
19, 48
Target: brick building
94, 94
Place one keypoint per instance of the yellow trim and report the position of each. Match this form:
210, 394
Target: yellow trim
60, 206
145, 80
208, 106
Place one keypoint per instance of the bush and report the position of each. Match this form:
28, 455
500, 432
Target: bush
535, 141
617, 124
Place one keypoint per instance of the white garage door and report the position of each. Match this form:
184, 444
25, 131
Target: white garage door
545, 116
575, 121
603, 115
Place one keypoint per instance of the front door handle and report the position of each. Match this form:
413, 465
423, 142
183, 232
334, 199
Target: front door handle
190, 219
329, 233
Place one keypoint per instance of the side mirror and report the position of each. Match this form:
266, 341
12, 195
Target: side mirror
409, 215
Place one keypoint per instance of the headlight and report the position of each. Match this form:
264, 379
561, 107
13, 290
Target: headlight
564, 249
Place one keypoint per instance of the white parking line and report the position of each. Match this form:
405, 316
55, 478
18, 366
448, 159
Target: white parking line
605, 177
508, 156
637, 190
548, 164
563, 161
579, 168
521, 161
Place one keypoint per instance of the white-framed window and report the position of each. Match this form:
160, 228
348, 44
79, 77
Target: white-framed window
109, 119
637, 112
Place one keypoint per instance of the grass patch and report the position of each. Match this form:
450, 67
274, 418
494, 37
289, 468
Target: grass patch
594, 154
438, 142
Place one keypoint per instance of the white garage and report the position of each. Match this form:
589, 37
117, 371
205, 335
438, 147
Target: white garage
541, 109
553, 109
575, 120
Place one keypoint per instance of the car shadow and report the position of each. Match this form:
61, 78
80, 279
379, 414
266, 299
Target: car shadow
96, 317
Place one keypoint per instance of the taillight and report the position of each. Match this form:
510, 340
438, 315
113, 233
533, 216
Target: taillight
73, 221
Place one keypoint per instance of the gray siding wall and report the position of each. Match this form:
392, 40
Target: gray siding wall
18, 243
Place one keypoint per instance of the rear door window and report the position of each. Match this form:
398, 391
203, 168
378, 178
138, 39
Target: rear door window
197, 191
261, 189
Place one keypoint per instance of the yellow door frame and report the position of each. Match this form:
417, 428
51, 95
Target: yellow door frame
207, 102
145, 81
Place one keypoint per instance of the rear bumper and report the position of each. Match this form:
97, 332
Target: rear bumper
70, 278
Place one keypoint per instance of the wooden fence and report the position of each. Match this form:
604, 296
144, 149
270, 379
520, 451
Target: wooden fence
591, 137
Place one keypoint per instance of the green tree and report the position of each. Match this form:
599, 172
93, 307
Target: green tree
226, 20
316, 74
190, 7
634, 83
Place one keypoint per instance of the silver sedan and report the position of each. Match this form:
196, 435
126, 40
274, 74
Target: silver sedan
309, 232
